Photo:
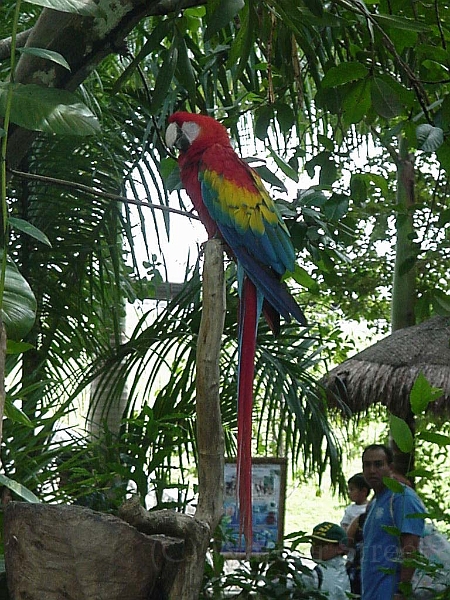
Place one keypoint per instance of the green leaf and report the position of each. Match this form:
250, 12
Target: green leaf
267, 175
401, 23
315, 6
29, 229
19, 304
359, 188
401, 434
263, 117
13, 347
15, 414
435, 438
164, 78
48, 109
429, 137
393, 484
384, 100
224, 13
422, 393
18, 489
285, 117
86, 8
303, 278
284, 166
243, 42
55, 57
343, 73
184, 71
356, 101
336, 207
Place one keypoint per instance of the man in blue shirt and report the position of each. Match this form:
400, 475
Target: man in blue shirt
383, 549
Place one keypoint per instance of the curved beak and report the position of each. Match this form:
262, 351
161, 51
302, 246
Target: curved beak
175, 138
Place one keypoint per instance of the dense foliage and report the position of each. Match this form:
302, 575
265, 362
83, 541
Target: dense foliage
347, 93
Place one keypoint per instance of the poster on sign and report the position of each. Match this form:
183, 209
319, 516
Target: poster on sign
268, 500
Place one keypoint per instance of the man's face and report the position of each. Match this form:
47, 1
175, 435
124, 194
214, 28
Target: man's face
375, 467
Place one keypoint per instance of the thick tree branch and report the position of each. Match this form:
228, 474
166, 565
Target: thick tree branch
84, 42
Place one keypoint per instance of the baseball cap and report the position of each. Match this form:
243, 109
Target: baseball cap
329, 533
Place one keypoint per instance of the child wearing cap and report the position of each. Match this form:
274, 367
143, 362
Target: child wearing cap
328, 547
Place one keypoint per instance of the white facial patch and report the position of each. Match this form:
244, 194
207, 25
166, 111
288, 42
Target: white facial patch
190, 130
171, 135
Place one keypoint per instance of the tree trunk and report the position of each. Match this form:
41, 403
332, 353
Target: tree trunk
404, 281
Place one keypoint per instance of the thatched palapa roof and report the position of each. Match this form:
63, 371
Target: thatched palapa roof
386, 371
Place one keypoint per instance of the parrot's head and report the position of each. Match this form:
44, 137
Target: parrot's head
188, 130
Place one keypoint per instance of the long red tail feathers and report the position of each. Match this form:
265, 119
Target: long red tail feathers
249, 314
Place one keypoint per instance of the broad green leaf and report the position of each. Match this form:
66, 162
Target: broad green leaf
435, 438
86, 8
167, 166
184, 71
422, 393
311, 197
429, 137
13, 347
285, 117
393, 484
15, 414
443, 155
359, 187
384, 100
343, 73
315, 6
442, 301
284, 166
164, 78
267, 175
55, 57
243, 43
18, 489
48, 109
336, 207
263, 117
29, 229
356, 101
401, 434
303, 277
224, 13
19, 304
401, 23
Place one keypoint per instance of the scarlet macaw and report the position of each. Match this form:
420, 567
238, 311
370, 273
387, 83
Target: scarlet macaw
232, 202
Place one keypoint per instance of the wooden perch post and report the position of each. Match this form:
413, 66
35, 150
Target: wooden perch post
210, 441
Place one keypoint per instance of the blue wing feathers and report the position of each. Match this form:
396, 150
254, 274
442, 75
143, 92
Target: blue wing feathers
261, 245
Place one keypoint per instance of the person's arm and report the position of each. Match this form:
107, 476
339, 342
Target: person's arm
409, 543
